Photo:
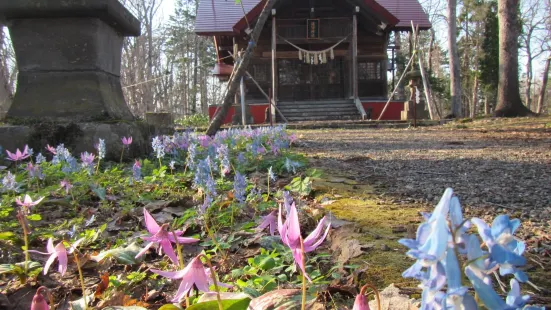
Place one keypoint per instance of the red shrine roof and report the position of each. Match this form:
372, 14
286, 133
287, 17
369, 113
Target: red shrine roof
224, 17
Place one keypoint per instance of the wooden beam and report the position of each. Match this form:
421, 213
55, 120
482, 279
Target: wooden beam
355, 55
294, 54
274, 64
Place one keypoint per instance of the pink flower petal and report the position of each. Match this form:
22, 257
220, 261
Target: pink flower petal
293, 227
150, 223
170, 274
309, 244
169, 251
62, 257
49, 262
50, 246
144, 250
361, 303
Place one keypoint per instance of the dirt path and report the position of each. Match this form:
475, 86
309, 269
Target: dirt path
494, 166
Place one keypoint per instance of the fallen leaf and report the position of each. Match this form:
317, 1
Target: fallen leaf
102, 285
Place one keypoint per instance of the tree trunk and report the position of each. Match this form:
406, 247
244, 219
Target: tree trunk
543, 86
486, 105
431, 47
195, 60
5, 89
455, 88
528, 89
475, 97
509, 103
239, 70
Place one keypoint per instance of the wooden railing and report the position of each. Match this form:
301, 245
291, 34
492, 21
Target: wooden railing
337, 27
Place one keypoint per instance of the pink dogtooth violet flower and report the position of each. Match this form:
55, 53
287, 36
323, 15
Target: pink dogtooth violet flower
126, 141
27, 202
193, 275
269, 220
59, 252
18, 155
160, 235
51, 149
291, 237
39, 302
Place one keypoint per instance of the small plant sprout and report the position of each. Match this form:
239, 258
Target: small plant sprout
291, 237
39, 302
125, 144
161, 235
137, 170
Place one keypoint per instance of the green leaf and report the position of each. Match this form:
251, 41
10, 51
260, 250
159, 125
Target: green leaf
7, 235
124, 255
227, 304
134, 308
34, 217
170, 307
6, 268
267, 263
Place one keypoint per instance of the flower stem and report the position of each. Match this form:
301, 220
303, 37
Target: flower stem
81, 277
97, 167
372, 287
122, 153
303, 275
215, 282
26, 240
160, 164
211, 236
179, 249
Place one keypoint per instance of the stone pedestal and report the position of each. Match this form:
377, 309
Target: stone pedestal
68, 55
79, 137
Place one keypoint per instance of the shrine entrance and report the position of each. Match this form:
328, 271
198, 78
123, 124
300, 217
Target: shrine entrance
300, 81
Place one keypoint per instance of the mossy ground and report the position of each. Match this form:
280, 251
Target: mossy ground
381, 224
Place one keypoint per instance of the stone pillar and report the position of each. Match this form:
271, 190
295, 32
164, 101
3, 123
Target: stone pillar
68, 55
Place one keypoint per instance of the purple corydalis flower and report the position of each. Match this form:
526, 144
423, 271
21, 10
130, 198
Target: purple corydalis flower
59, 252
34, 171
126, 141
269, 220
291, 237
27, 202
87, 158
239, 187
160, 235
66, 185
193, 275
39, 302
18, 155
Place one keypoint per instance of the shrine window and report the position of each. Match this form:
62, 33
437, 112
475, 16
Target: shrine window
369, 70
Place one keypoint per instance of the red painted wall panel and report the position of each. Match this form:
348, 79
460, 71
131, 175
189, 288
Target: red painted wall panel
393, 112
257, 110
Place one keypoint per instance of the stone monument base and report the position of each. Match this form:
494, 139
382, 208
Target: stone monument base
79, 137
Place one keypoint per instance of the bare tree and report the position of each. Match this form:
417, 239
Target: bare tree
543, 88
534, 44
8, 72
509, 103
455, 88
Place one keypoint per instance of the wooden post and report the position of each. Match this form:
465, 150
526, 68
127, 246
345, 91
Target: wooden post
243, 111
274, 66
355, 55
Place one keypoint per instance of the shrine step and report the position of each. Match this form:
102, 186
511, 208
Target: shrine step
319, 110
